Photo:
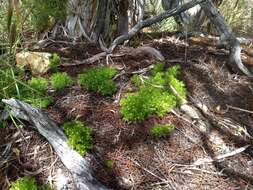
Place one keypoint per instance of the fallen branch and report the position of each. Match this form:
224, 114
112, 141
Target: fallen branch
74, 162
226, 32
148, 22
144, 50
218, 158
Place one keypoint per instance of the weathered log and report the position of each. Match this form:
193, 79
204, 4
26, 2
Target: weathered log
74, 162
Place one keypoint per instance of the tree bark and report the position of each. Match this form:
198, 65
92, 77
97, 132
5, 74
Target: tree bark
74, 162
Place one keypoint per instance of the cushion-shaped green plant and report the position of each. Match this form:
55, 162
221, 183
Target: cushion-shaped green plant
54, 61
158, 67
159, 131
38, 83
138, 106
27, 183
60, 81
99, 80
156, 95
79, 136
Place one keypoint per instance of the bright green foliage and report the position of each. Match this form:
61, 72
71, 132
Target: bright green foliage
138, 106
158, 67
60, 81
79, 136
7, 84
38, 83
44, 13
27, 183
33, 92
99, 80
159, 131
155, 95
54, 61
173, 71
136, 80
37, 100
109, 164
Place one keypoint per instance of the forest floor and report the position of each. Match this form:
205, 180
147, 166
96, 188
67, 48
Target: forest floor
139, 161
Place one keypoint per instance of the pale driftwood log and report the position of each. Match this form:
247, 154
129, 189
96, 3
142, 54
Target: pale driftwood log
74, 162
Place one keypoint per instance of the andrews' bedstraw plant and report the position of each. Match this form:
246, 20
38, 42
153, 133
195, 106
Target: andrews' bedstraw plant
38, 83
60, 81
99, 80
27, 183
54, 62
79, 136
159, 131
109, 164
33, 92
158, 94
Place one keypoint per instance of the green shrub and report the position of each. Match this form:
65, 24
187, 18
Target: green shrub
60, 81
27, 183
54, 61
99, 80
33, 92
44, 13
8, 85
38, 83
159, 131
156, 95
79, 136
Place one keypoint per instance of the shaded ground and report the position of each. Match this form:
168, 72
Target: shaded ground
138, 160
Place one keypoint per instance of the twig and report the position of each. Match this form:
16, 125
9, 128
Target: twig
239, 109
201, 161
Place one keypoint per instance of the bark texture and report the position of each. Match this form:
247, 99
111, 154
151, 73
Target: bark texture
74, 162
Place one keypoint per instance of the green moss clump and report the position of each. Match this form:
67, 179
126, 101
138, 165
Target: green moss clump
79, 136
158, 67
99, 80
27, 183
33, 92
38, 83
54, 61
159, 131
60, 81
138, 106
109, 164
156, 95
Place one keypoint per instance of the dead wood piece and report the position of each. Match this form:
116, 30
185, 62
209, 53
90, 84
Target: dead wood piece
74, 162
148, 22
201, 161
125, 51
227, 36
149, 51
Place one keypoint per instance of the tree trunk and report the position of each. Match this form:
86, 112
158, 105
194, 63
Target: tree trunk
123, 17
